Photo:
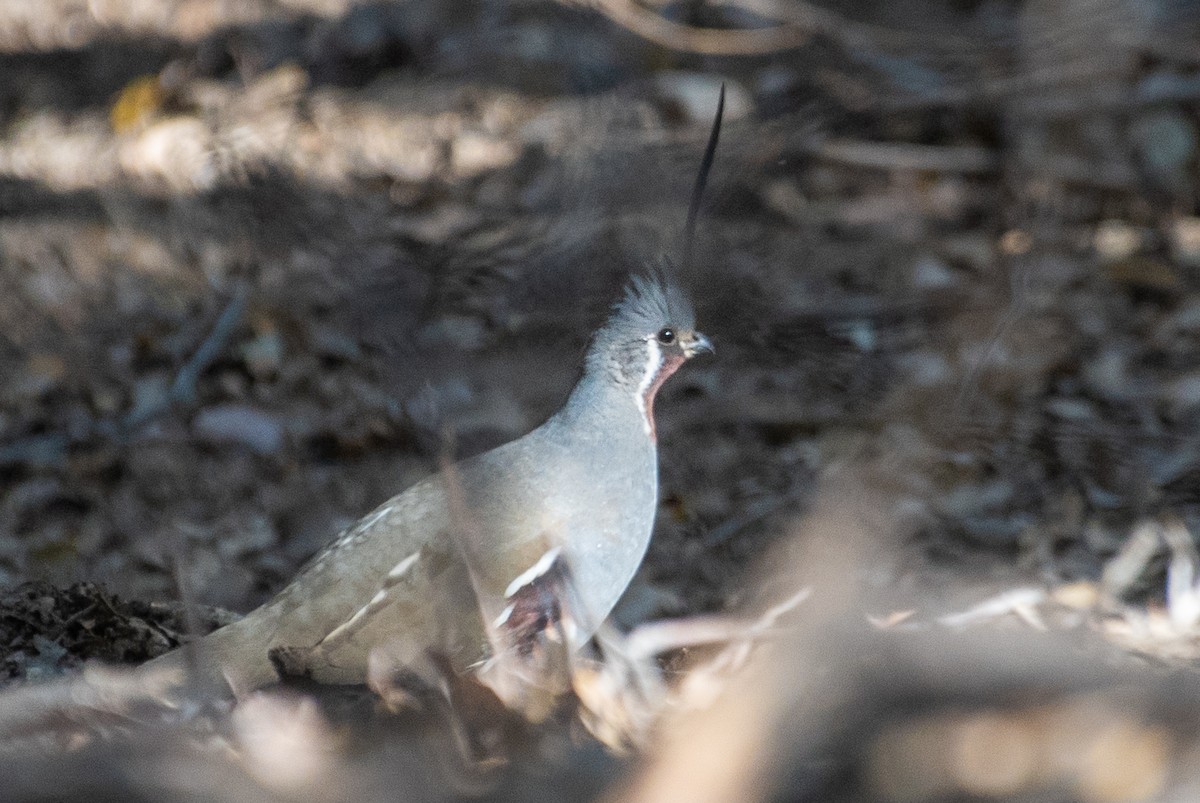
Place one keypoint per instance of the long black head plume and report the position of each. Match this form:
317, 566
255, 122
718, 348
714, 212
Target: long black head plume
710, 152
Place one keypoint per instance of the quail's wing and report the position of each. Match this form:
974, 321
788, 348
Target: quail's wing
383, 549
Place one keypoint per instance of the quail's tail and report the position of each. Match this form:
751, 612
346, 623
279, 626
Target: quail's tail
232, 658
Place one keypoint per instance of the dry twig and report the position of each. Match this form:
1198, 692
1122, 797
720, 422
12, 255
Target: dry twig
91, 699
797, 23
706, 41
904, 156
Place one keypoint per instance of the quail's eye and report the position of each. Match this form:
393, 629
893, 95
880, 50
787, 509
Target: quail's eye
666, 336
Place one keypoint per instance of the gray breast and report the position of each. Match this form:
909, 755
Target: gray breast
585, 483
610, 496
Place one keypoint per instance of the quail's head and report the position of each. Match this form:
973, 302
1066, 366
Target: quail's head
650, 333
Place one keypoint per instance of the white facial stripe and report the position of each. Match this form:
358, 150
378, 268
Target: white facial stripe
653, 364
533, 572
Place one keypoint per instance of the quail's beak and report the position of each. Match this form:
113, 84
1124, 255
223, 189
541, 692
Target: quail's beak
699, 344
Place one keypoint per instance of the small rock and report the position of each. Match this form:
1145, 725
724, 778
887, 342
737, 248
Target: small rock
783, 196
931, 273
149, 395
332, 344
925, 367
1070, 409
862, 333
1184, 393
1185, 241
264, 354
948, 198
177, 152
48, 662
1108, 375
242, 425
473, 153
1116, 239
1166, 142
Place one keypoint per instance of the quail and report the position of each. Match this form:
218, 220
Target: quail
488, 554
499, 555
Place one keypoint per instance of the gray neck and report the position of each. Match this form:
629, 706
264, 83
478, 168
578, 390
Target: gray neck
603, 405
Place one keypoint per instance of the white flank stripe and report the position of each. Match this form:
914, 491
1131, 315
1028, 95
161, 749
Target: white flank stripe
503, 617
533, 572
351, 626
403, 566
368, 523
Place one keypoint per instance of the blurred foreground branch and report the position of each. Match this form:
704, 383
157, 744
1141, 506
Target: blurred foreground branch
92, 699
708, 41
796, 23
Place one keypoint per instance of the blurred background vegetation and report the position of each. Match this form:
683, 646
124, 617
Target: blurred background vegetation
257, 257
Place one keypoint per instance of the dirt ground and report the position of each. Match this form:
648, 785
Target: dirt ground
258, 259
